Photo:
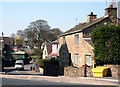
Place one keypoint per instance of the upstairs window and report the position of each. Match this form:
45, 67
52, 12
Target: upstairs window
77, 39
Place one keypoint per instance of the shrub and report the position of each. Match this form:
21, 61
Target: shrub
41, 62
106, 40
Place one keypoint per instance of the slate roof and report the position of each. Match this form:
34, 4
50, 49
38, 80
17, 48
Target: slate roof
82, 26
89, 41
56, 41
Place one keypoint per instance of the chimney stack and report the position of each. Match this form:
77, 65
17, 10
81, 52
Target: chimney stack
111, 12
91, 17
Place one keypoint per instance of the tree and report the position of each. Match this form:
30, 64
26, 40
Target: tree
56, 32
12, 35
37, 33
20, 33
19, 40
38, 52
119, 9
106, 40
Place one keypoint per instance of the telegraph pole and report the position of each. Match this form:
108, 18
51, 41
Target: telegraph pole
2, 45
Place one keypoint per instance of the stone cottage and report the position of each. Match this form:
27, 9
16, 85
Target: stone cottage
76, 46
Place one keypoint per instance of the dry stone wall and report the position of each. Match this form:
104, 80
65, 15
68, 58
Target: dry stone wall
73, 71
115, 70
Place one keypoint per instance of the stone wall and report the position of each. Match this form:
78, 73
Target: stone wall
115, 70
72, 71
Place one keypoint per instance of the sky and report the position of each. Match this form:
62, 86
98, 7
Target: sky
18, 15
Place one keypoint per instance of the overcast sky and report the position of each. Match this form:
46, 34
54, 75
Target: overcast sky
17, 15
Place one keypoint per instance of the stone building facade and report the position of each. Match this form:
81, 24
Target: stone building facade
76, 47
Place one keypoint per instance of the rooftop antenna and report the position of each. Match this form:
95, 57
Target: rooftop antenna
76, 19
106, 3
119, 9
113, 2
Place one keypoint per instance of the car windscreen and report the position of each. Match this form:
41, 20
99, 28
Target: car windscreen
18, 63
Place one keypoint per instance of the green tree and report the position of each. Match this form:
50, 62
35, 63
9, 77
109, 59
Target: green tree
106, 40
19, 40
56, 32
38, 52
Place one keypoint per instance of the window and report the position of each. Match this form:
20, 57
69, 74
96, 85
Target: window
88, 60
45, 52
77, 39
76, 59
63, 40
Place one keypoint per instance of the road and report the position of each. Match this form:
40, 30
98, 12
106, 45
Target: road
27, 77
26, 71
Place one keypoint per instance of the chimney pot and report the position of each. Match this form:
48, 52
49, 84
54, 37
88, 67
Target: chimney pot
91, 13
110, 6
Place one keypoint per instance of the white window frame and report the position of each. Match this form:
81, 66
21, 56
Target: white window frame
88, 60
77, 39
76, 59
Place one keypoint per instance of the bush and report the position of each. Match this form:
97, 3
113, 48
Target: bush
41, 62
106, 40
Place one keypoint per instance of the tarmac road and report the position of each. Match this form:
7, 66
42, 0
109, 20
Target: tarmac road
27, 77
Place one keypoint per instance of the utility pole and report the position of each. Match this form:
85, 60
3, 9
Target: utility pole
2, 45
119, 9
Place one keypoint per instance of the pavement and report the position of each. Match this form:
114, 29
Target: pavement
32, 75
66, 79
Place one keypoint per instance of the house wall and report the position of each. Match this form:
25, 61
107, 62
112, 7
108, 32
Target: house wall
82, 49
45, 53
55, 48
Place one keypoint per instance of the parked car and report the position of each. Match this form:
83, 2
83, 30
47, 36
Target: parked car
19, 64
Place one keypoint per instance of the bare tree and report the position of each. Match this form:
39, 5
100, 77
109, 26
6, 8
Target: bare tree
12, 35
37, 33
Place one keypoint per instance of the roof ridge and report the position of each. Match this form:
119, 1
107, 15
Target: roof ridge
80, 28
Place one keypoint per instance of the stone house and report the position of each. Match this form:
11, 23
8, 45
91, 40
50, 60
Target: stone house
76, 46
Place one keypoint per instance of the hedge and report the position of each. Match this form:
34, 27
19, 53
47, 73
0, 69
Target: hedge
41, 62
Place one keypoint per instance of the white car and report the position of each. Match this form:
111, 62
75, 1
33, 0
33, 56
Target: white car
19, 64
